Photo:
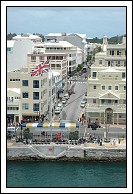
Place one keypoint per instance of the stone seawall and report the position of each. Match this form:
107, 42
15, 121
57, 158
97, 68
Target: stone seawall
65, 152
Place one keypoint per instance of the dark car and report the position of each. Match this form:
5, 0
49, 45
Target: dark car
93, 125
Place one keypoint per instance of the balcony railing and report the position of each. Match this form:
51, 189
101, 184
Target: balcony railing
13, 102
121, 106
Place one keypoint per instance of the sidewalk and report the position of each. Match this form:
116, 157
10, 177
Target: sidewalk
107, 145
115, 125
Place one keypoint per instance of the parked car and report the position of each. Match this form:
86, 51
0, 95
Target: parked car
66, 96
60, 106
64, 100
85, 99
83, 103
57, 110
11, 130
93, 125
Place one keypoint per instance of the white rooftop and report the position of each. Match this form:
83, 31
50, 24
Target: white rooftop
54, 34
27, 36
60, 43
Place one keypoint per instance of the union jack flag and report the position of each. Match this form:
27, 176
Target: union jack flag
41, 68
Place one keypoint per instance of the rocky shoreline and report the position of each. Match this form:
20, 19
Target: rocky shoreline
73, 159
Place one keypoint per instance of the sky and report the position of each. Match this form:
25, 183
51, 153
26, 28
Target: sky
92, 21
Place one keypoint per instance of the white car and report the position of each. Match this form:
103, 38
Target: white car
57, 110
64, 100
60, 106
83, 103
66, 96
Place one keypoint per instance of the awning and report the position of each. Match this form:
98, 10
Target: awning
54, 125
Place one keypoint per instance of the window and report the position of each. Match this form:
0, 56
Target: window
8, 49
103, 87
111, 52
116, 87
41, 58
109, 101
123, 75
124, 87
100, 61
102, 101
35, 95
36, 107
116, 101
94, 74
94, 100
25, 106
108, 63
14, 79
58, 65
70, 55
118, 52
124, 101
109, 87
25, 95
94, 87
12, 108
24, 82
33, 58
35, 83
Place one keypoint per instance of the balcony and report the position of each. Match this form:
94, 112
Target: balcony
15, 112
117, 106
13, 103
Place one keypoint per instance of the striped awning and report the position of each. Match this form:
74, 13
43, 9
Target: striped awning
54, 125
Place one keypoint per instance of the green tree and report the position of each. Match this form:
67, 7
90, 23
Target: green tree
9, 136
80, 66
10, 36
27, 134
74, 135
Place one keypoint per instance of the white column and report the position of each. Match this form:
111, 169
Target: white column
117, 118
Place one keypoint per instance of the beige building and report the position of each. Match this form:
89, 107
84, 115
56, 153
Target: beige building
33, 93
106, 90
58, 61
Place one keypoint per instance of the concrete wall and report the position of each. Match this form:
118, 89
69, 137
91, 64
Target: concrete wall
49, 151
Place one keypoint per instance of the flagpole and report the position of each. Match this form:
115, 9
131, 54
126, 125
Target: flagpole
50, 101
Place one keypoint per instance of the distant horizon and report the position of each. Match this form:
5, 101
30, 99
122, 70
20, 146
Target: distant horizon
63, 32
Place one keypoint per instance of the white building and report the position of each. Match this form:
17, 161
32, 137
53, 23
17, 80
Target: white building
106, 90
17, 53
65, 47
13, 105
76, 39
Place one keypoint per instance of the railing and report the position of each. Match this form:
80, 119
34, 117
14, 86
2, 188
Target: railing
107, 104
13, 102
